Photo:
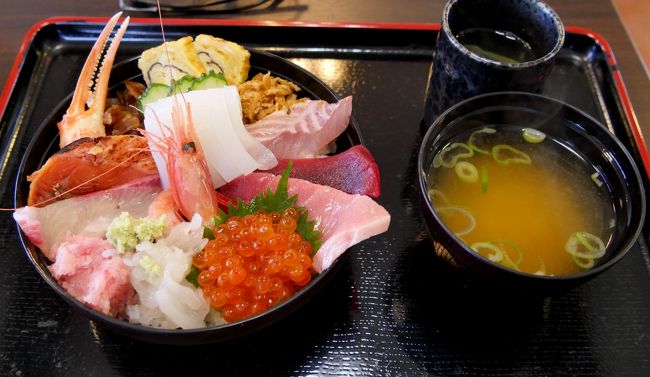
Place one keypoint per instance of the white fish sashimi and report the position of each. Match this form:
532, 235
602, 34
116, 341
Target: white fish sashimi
158, 272
87, 215
229, 149
343, 219
303, 130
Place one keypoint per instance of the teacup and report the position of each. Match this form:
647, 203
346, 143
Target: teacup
490, 46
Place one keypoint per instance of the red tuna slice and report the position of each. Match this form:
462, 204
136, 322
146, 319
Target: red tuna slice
92, 272
353, 171
85, 215
343, 219
303, 130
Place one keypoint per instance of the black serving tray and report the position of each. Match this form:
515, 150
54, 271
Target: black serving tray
392, 308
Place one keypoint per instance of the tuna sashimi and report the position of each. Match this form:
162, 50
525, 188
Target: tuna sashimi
90, 165
92, 272
86, 215
343, 219
353, 171
304, 129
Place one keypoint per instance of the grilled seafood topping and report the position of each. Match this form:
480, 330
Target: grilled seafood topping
90, 165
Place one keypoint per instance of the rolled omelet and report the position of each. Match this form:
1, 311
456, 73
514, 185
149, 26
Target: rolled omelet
171, 60
219, 55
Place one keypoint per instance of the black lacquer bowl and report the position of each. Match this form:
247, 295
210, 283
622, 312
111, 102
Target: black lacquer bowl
45, 143
576, 131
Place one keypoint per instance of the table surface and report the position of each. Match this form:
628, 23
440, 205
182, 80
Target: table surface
598, 15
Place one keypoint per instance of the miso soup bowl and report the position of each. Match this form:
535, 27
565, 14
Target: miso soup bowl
575, 130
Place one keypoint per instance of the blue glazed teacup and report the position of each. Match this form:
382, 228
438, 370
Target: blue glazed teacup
491, 46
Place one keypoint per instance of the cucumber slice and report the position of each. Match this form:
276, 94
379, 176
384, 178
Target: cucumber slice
183, 85
153, 93
209, 81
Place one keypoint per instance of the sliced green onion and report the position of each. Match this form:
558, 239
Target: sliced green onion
466, 171
496, 254
450, 155
506, 155
591, 246
515, 248
596, 178
585, 263
484, 178
471, 221
438, 198
480, 141
507, 262
534, 136
437, 161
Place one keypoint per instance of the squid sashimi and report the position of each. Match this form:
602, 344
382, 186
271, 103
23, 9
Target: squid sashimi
353, 171
216, 118
89, 165
92, 272
87, 215
158, 274
343, 219
303, 130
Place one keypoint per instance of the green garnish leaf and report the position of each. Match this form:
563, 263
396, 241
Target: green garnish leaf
208, 233
307, 229
193, 276
277, 201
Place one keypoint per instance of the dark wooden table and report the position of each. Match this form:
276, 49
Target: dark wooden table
600, 329
599, 15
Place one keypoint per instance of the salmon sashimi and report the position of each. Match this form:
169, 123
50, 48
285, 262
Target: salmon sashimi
343, 219
305, 129
93, 165
92, 272
353, 171
87, 215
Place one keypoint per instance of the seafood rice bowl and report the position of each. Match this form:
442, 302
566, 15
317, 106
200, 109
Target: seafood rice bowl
200, 203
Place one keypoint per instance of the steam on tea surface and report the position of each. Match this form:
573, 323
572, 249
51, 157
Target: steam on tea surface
523, 200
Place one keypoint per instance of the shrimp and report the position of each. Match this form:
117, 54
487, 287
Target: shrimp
185, 165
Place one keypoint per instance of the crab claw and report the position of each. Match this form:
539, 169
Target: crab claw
79, 122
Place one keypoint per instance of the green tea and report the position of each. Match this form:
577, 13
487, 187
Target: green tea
522, 199
498, 45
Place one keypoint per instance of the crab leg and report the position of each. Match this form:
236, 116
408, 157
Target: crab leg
79, 122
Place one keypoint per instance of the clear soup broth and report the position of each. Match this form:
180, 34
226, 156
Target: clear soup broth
522, 199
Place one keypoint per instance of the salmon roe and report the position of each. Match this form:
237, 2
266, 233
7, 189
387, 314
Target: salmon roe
253, 263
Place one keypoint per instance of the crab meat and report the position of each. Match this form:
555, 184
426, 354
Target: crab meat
79, 122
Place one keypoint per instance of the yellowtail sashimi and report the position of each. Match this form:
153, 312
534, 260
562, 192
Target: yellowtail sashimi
343, 219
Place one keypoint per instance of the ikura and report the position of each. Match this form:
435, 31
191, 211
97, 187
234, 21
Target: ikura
253, 263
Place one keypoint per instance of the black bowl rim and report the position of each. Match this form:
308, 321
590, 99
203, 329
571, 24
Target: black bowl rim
624, 249
161, 335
